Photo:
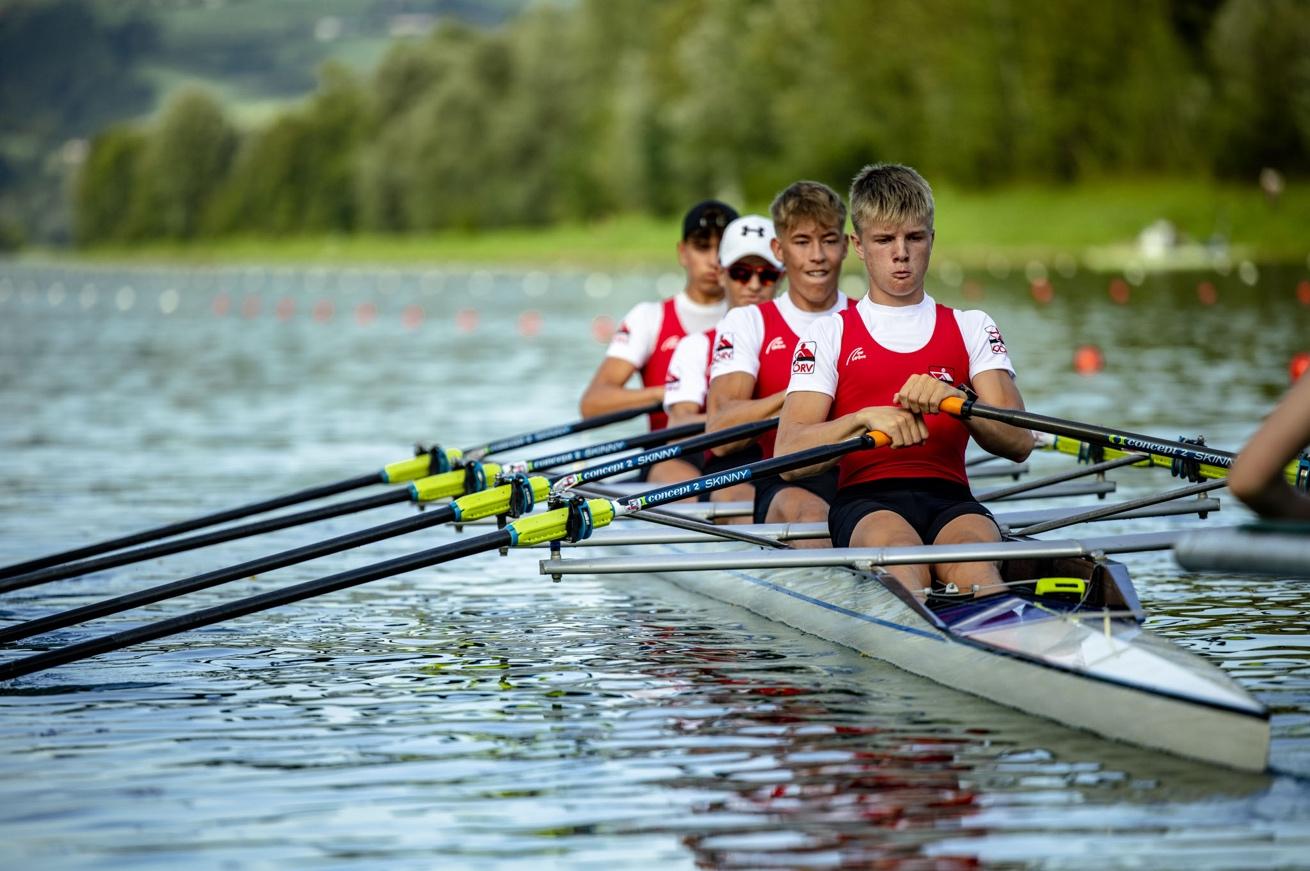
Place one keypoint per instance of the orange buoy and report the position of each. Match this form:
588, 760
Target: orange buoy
1088, 360
222, 303
1119, 291
286, 308
466, 320
1042, 291
323, 310
250, 307
529, 323
1297, 366
602, 328
1206, 293
365, 313
1303, 291
412, 316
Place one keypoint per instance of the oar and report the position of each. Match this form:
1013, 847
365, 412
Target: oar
430, 488
574, 521
499, 500
1182, 452
429, 462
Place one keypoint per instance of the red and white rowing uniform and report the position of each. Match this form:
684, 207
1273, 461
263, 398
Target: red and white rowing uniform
651, 330
864, 356
759, 340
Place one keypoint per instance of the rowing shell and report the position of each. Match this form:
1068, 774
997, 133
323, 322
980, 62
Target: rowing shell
1076, 654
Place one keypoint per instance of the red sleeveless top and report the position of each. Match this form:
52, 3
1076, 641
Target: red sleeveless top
776, 361
869, 374
652, 374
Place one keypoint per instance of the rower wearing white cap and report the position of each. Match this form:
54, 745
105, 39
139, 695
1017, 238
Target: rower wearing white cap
751, 274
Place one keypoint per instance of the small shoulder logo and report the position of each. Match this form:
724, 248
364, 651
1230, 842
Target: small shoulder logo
671, 381
776, 345
670, 343
723, 348
857, 354
943, 373
994, 338
623, 333
802, 363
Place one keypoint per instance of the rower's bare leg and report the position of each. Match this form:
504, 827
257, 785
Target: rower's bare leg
794, 505
672, 472
889, 529
969, 529
735, 493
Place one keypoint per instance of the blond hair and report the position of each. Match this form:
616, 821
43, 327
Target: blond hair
810, 200
889, 193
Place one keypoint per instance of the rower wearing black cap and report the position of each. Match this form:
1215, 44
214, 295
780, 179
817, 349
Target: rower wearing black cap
645, 339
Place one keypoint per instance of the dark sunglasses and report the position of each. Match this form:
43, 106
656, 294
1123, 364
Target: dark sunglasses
742, 272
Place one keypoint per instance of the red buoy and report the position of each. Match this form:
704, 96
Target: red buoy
1303, 291
1119, 291
1088, 360
1297, 366
1206, 293
1042, 291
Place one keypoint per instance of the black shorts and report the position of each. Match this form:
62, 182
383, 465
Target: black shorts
823, 485
927, 504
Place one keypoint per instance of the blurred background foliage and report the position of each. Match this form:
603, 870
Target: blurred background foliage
574, 111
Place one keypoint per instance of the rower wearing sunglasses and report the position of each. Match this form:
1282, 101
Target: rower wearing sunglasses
750, 277
752, 358
644, 342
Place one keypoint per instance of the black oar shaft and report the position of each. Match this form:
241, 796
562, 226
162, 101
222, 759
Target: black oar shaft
253, 604
177, 545
640, 442
545, 435
1114, 438
90, 550
118, 604
669, 452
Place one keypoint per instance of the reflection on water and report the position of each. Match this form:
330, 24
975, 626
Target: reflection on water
477, 714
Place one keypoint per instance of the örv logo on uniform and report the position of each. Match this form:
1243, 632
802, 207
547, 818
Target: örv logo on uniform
803, 361
723, 348
776, 345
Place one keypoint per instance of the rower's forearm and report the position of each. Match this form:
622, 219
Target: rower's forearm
736, 412
795, 438
607, 398
1002, 439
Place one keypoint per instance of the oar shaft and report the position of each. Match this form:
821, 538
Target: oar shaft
177, 545
640, 442
668, 452
254, 604
1090, 432
436, 515
545, 435
90, 550
751, 472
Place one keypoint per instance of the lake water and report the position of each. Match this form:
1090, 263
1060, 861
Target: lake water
478, 715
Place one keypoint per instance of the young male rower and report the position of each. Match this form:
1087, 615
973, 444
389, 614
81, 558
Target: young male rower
887, 364
645, 339
753, 351
750, 277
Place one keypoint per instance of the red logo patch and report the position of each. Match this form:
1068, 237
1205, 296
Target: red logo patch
802, 363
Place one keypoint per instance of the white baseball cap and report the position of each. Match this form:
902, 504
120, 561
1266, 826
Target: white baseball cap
749, 234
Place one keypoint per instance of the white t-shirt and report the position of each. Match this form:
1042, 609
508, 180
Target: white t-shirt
685, 381
742, 330
635, 338
902, 329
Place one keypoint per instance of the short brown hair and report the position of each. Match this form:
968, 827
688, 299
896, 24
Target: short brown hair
890, 193
810, 200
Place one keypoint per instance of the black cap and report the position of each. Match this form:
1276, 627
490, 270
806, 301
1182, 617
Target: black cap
709, 215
